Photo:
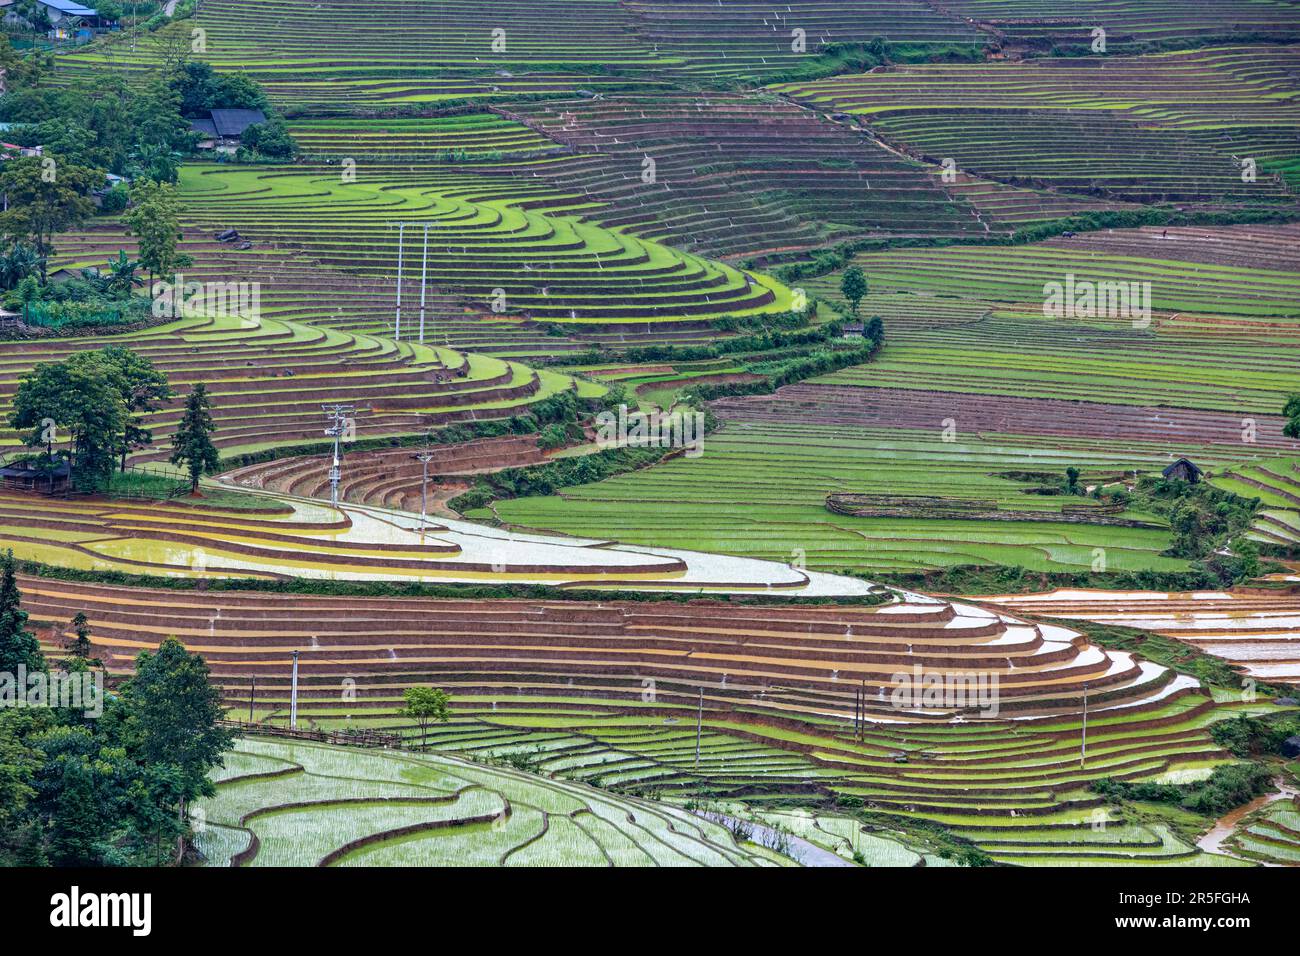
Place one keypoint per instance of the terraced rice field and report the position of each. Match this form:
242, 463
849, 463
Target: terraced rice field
1037, 24
1206, 286
760, 487
1257, 631
1277, 484
268, 378
1157, 128
298, 804
609, 693
513, 264
303, 538
579, 175
1271, 836
794, 662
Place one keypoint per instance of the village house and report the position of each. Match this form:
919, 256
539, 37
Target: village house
221, 130
67, 18
1183, 470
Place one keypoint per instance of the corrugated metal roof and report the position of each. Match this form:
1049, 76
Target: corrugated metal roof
234, 122
69, 8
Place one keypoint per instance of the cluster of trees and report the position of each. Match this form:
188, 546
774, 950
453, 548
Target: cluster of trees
94, 404
1292, 412
1201, 516
1230, 785
97, 399
1255, 736
87, 130
112, 789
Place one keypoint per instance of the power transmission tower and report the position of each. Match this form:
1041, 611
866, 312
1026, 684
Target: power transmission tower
341, 422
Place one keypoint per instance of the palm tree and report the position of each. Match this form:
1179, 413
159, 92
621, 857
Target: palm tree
17, 263
155, 161
119, 279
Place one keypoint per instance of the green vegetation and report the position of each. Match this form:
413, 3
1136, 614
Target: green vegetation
192, 446
111, 791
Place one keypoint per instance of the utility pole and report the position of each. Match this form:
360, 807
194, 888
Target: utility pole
252, 692
397, 325
699, 728
862, 711
424, 274
293, 695
1083, 740
424, 458
340, 417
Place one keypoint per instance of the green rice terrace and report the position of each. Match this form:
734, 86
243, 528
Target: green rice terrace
657, 432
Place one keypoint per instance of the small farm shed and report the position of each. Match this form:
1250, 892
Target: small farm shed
225, 128
1183, 470
23, 477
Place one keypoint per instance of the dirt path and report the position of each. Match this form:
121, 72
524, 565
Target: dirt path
1223, 828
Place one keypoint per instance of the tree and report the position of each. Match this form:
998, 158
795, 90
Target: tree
140, 387
34, 15
1072, 480
192, 444
79, 647
46, 197
119, 278
154, 218
82, 399
1292, 411
426, 704
173, 49
174, 710
875, 330
854, 287
18, 646
19, 763
270, 139
156, 161
17, 263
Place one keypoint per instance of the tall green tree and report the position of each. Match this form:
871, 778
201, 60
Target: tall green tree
154, 219
18, 645
427, 704
854, 286
46, 196
140, 386
174, 710
192, 444
84, 403
1292, 412
79, 647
